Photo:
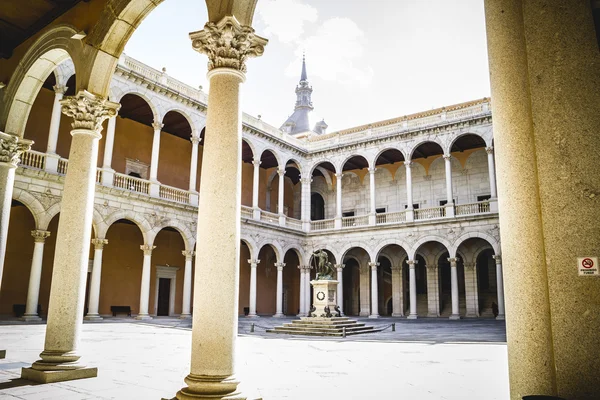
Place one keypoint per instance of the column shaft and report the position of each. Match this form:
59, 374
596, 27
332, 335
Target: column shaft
454, 285
279, 299
500, 287
110, 143
374, 290
340, 287
94, 296
448, 164
59, 92
145, 283
397, 292
255, 183
194, 163
306, 204
155, 151
307, 286
252, 300
33, 291
412, 288
302, 311
187, 284
372, 190
492, 171
338, 200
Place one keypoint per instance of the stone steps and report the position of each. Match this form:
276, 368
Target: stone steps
314, 326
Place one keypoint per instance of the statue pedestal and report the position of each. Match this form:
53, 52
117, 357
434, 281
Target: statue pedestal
324, 295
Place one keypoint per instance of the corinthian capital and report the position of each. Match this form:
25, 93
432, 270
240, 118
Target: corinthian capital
11, 148
228, 44
88, 110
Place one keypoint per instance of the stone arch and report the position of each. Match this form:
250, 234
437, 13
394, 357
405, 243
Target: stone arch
183, 113
358, 245
250, 145
129, 215
448, 149
340, 166
47, 52
276, 249
415, 146
470, 235
180, 227
34, 206
412, 252
274, 152
386, 243
118, 96
251, 247
295, 162
64, 71
296, 250
383, 150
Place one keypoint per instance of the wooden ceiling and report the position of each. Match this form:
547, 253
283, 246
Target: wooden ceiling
20, 19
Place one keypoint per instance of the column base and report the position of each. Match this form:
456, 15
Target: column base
93, 317
412, 316
363, 314
212, 388
143, 317
185, 316
35, 375
2, 354
501, 317
30, 317
454, 317
278, 316
374, 316
252, 316
397, 315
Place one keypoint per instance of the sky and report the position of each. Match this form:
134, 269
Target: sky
366, 60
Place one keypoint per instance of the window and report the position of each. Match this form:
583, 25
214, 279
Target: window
415, 206
484, 198
348, 214
444, 202
380, 210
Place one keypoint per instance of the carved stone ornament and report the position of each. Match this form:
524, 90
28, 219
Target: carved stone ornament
40, 236
88, 110
228, 44
11, 148
147, 249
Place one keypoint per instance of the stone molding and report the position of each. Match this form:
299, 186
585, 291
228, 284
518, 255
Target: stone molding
408, 164
340, 266
373, 265
453, 261
195, 140
432, 267
489, 150
498, 258
99, 243
228, 44
40, 236
11, 148
253, 263
469, 266
256, 162
188, 254
59, 89
157, 126
412, 263
147, 249
88, 110
279, 266
396, 268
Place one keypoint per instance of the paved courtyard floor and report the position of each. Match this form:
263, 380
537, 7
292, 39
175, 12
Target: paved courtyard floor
422, 360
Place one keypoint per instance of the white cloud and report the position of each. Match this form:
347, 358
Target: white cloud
331, 54
285, 19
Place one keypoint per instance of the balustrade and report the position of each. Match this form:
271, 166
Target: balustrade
430, 213
134, 184
473, 208
361, 220
293, 223
269, 217
171, 193
33, 159
391, 217
63, 164
322, 224
246, 212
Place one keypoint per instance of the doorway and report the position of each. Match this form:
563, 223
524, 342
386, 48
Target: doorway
165, 288
164, 293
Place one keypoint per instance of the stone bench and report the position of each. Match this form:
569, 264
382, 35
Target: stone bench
120, 310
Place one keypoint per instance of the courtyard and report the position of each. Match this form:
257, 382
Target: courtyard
464, 359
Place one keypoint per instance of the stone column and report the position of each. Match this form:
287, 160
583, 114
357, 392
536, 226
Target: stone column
340, 288
374, 290
145, 284
365, 291
500, 286
454, 284
412, 277
433, 291
51, 156
11, 148
410, 214
252, 302
110, 143
307, 296
372, 216
397, 292
302, 311
492, 171
449, 196
471, 290
60, 359
94, 299
306, 205
280, 197
187, 285
279, 299
338, 200
157, 126
33, 292
227, 45
194, 163
255, 184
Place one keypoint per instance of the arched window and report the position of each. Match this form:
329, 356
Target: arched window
317, 207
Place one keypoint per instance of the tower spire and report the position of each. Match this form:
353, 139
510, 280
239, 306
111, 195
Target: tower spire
303, 76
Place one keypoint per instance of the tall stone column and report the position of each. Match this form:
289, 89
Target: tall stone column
338, 200
255, 184
33, 291
491, 171
433, 290
194, 163
410, 214
187, 285
374, 291
500, 286
306, 206
228, 45
157, 126
412, 283
454, 285
449, 196
108, 173
280, 197
340, 287
51, 156
471, 290
60, 359
11, 148
145, 283
372, 209
94, 299
252, 299
279, 299
302, 311
397, 292
307, 286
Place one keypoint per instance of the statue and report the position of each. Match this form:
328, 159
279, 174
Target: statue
324, 268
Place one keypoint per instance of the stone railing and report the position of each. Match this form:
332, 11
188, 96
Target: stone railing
293, 223
63, 164
33, 159
472, 208
430, 213
391, 217
98, 175
246, 212
360, 220
131, 183
322, 224
172, 193
269, 217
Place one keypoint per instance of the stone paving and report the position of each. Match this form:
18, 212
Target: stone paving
422, 360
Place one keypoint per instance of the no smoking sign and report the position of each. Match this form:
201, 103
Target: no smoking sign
588, 266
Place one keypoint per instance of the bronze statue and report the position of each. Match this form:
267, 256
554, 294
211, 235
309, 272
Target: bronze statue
324, 268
